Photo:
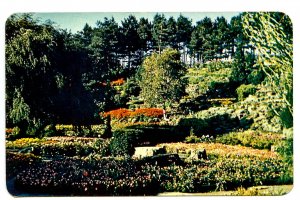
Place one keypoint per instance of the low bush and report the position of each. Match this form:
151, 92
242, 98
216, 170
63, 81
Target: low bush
195, 139
224, 174
244, 91
12, 133
221, 101
250, 138
213, 121
69, 149
23, 143
218, 150
154, 134
277, 190
80, 131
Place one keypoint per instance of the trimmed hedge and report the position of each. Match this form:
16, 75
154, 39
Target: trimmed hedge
124, 141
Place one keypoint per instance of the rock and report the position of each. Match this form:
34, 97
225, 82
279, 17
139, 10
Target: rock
162, 159
274, 148
27, 150
141, 152
197, 154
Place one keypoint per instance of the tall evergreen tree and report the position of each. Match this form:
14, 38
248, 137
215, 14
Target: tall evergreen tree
160, 32
183, 35
105, 49
172, 33
201, 40
130, 42
221, 35
145, 35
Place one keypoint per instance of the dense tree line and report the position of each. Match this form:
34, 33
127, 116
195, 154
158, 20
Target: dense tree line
54, 76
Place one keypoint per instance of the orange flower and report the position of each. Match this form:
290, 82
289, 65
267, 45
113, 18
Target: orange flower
148, 112
118, 82
118, 114
9, 130
122, 113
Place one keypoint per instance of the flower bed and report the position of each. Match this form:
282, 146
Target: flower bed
16, 162
221, 150
77, 177
122, 113
24, 143
250, 138
62, 146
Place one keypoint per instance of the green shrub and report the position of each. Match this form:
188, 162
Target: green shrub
217, 65
245, 90
211, 80
250, 138
198, 125
50, 131
230, 139
12, 133
256, 76
124, 141
223, 174
152, 134
194, 139
277, 190
212, 121
285, 149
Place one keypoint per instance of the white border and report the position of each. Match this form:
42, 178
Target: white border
7, 7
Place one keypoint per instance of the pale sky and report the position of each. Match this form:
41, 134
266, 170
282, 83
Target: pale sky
76, 21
